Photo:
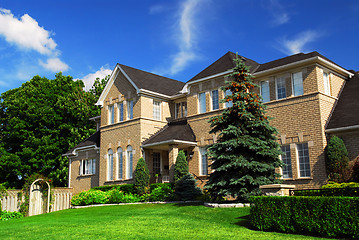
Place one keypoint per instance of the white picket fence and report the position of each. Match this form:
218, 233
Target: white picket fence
62, 200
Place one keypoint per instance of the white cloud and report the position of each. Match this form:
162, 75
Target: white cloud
54, 65
280, 19
298, 44
185, 35
279, 14
26, 34
156, 9
90, 78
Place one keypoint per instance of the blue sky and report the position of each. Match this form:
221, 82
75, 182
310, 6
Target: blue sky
177, 39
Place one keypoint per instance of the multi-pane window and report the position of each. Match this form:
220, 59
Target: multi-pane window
230, 103
215, 100
303, 160
202, 102
120, 163
156, 162
181, 110
110, 165
129, 164
130, 109
88, 166
111, 114
280, 86
286, 158
265, 91
156, 110
203, 161
326, 83
297, 84
120, 112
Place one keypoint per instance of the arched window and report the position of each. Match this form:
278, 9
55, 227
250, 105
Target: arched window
119, 163
110, 165
129, 162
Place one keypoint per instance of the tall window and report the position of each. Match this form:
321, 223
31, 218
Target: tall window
297, 84
280, 86
203, 159
130, 109
215, 100
286, 158
181, 110
303, 159
110, 165
326, 83
156, 110
88, 166
120, 111
265, 91
202, 102
120, 163
129, 164
111, 114
230, 103
156, 162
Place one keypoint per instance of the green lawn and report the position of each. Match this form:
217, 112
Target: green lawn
144, 221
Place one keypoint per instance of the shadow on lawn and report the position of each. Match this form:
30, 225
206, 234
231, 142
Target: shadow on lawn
244, 221
185, 204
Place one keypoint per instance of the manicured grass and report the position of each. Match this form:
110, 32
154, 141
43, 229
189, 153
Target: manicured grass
145, 221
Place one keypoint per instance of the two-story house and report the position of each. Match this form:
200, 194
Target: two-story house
150, 116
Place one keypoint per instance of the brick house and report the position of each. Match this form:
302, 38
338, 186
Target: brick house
150, 116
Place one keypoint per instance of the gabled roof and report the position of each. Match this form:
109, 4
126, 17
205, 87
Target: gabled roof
346, 112
173, 131
92, 141
143, 81
224, 64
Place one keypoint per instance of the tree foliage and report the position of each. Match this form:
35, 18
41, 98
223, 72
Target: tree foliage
98, 86
181, 166
337, 159
246, 152
186, 188
142, 177
40, 121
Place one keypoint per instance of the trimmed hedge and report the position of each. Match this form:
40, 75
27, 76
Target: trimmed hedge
326, 216
126, 188
329, 192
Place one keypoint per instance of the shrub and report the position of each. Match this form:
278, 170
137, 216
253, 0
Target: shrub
326, 216
89, 197
5, 215
156, 185
337, 158
181, 166
186, 188
162, 192
126, 188
355, 170
340, 185
117, 196
142, 177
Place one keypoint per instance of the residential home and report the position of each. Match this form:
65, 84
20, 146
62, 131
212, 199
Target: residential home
150, 116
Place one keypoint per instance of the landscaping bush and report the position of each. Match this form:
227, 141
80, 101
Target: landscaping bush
326, 216
142, 177
337, 159
89, 197
155, 185
162, 192
340, 185
117, 196
5, 215
181, 166
126, 188
332, 189
186, 188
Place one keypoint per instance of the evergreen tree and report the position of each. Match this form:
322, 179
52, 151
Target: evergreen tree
246, 152
186, 188
337, 159
142, 177
181, 166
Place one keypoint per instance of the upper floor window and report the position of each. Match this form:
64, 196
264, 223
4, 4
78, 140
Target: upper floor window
297, 84
303, 160
286, 159
202, 102
111, 114
110, 165
230, 103
119, 163
129, 164
326, 83
130, 109
120, 111
156, 110
264, 88
280, 88
181, 110
203, 161
88, 166
215, 100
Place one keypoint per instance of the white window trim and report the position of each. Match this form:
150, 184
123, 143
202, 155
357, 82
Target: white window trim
153, 109
298, 163
200, 149
128, 167
260, 90
329, 87
128, 109
119, 112
281, 169
199, 102
118, 154
108, 166
276, 87
211, 103
292, 83
110, 113
86, 161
